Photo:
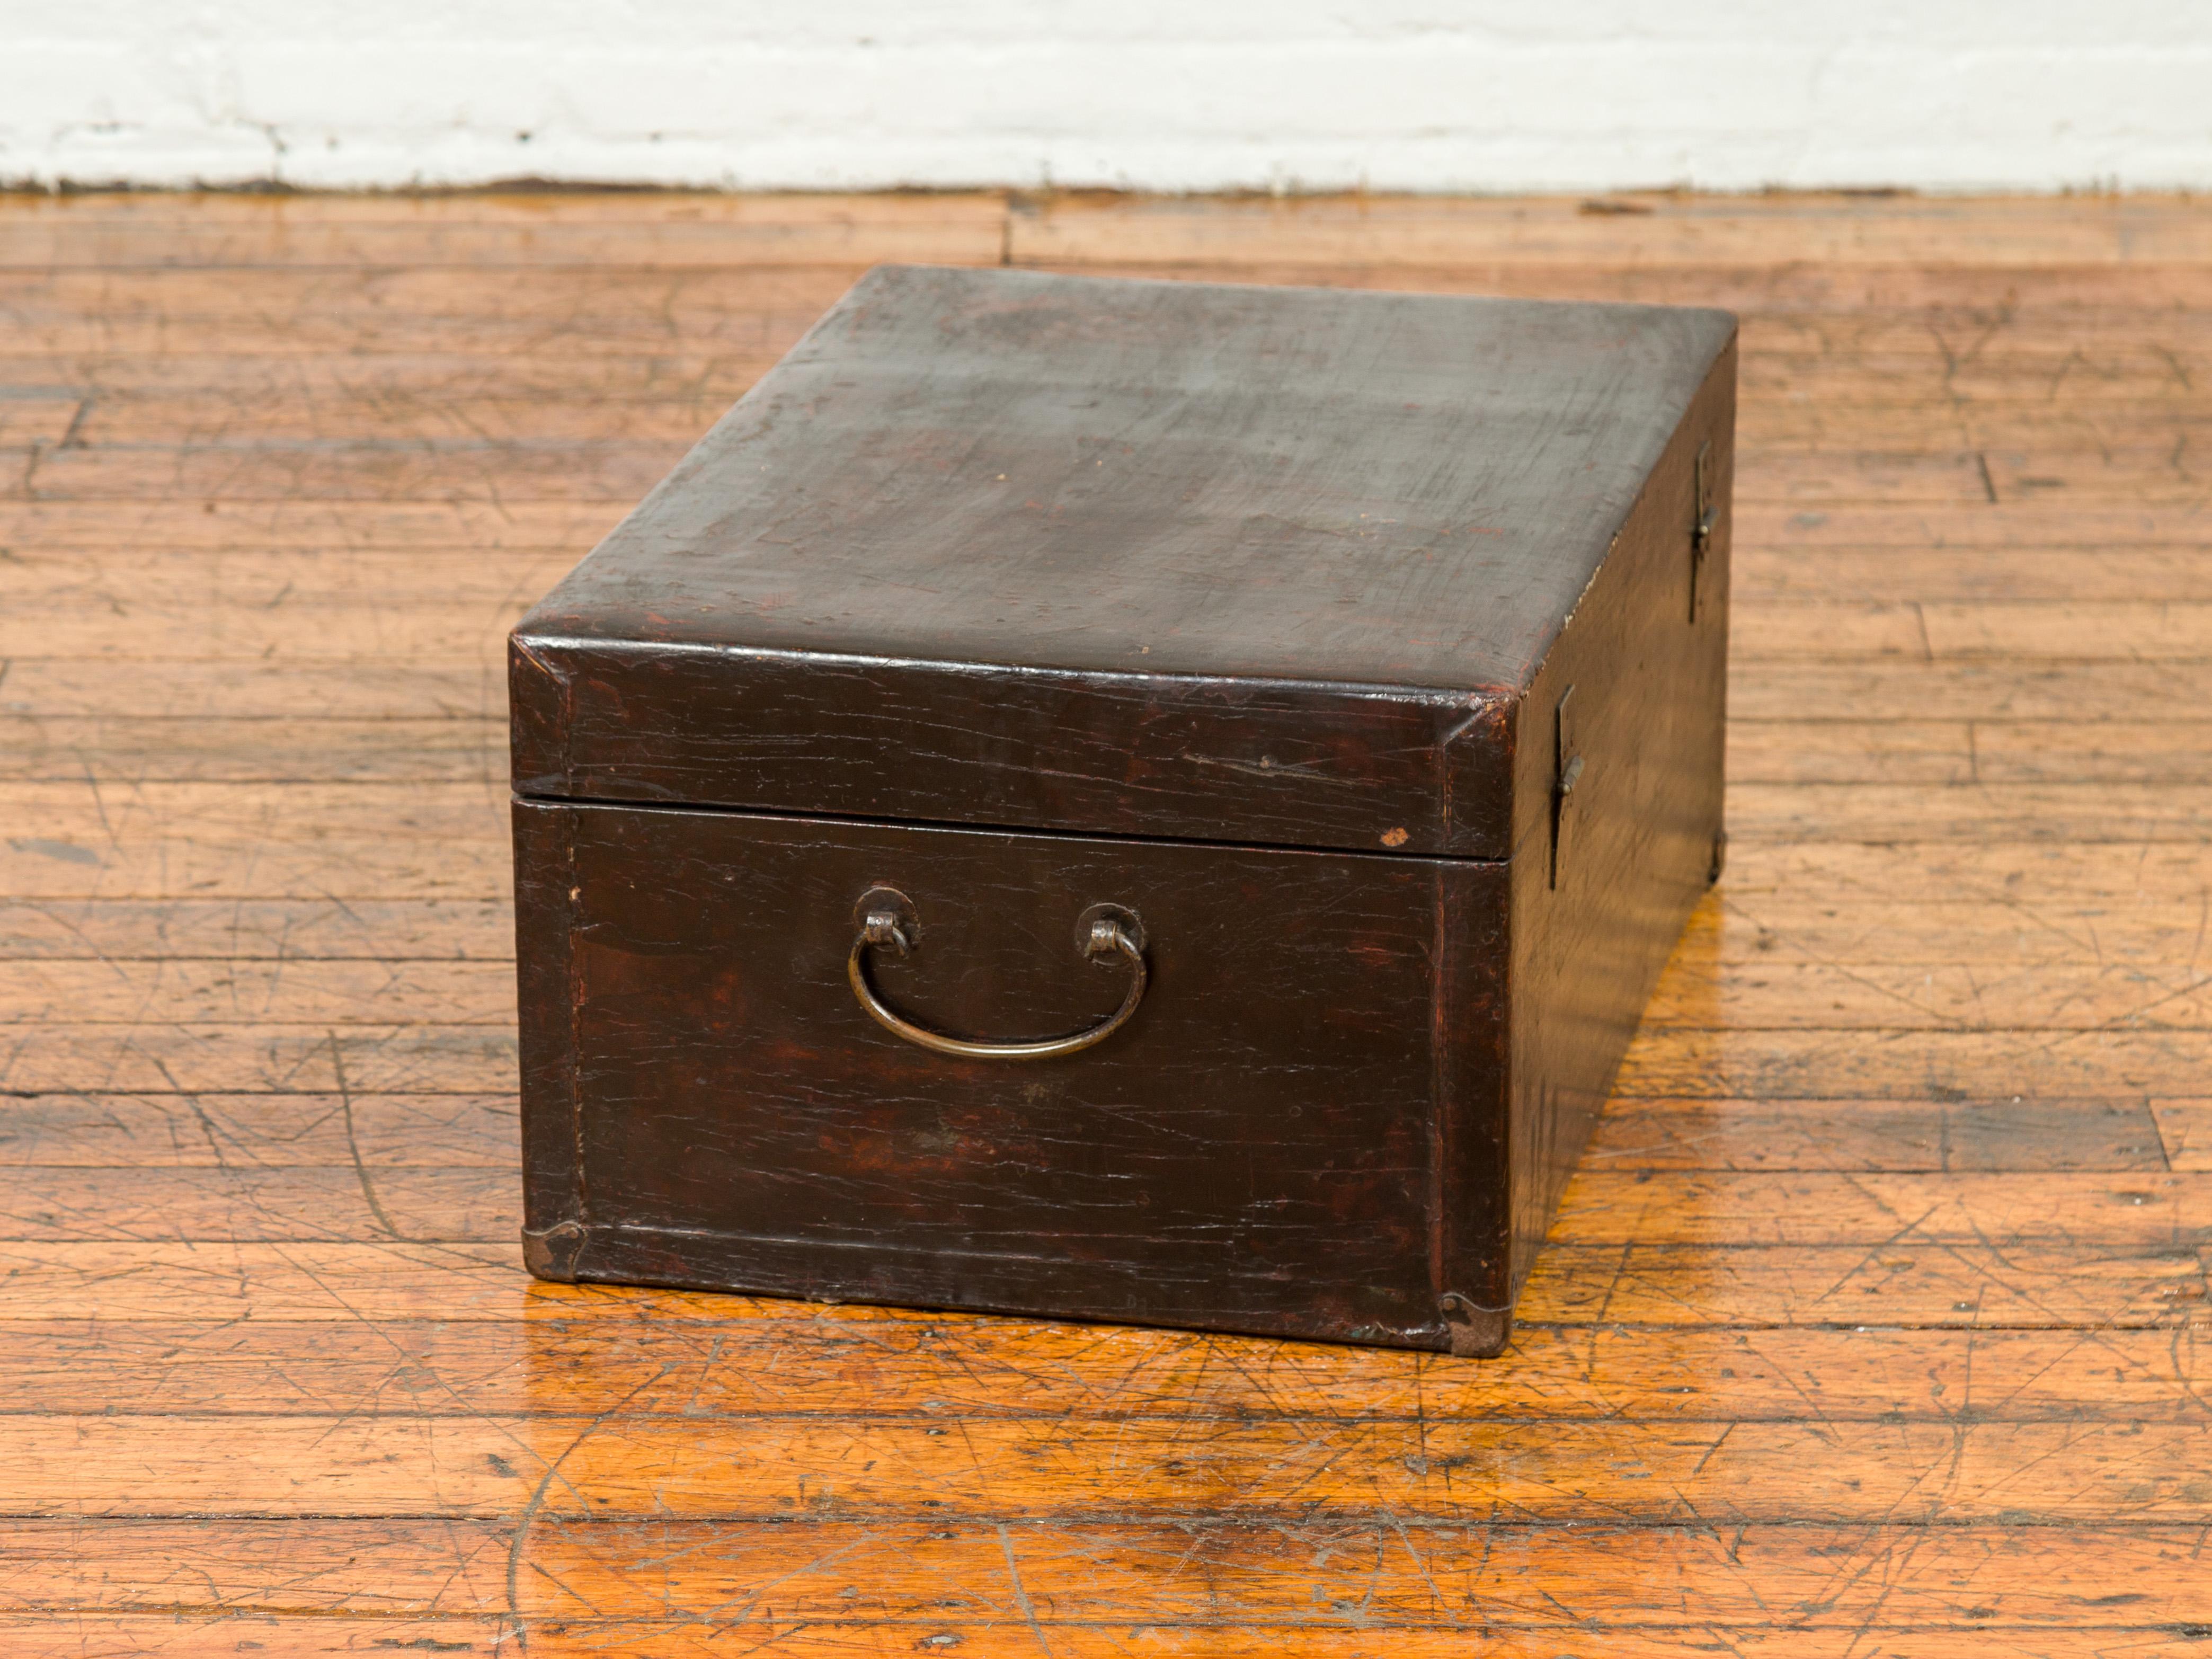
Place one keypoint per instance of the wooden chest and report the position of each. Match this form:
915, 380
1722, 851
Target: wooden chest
1136, 801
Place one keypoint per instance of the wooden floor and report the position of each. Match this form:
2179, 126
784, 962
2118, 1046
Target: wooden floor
1876, 1323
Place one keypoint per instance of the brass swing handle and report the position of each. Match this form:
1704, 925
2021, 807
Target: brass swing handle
1107, 935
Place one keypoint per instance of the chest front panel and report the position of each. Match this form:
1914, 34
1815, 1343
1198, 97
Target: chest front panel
1273, 1141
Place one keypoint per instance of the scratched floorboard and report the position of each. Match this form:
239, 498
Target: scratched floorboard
1875, 1324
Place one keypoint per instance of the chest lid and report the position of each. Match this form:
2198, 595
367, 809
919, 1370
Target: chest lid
1264, 565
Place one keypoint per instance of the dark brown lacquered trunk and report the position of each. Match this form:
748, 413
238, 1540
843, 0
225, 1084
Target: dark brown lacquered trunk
1357, 658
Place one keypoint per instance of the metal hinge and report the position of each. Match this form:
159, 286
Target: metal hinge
1566, 773
1701, 528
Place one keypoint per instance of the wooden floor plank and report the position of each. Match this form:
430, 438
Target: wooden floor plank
344, 861
2026, 878
219, 1059
2173, 750
1767, 572
282, 991
1714, 1060
2077, 695
482, 1466
1946, 997
2185, 1128
221, 1281
121, 580
2124, 814
1906, 1285
466, 1205
422, 689
1889, 1136
308, 522
273, 748
1788, 924
1313, 1574
1346, 1637
193, 927
1892, 308
559, 1359
259, 1131
1361, 231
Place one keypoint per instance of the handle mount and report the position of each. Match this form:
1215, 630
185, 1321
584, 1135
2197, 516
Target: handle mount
887, 922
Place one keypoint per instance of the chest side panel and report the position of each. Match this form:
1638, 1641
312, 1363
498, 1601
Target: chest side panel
1630, 710
1256, 1150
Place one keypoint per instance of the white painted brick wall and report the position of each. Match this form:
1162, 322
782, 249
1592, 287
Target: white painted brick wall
1163, 94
